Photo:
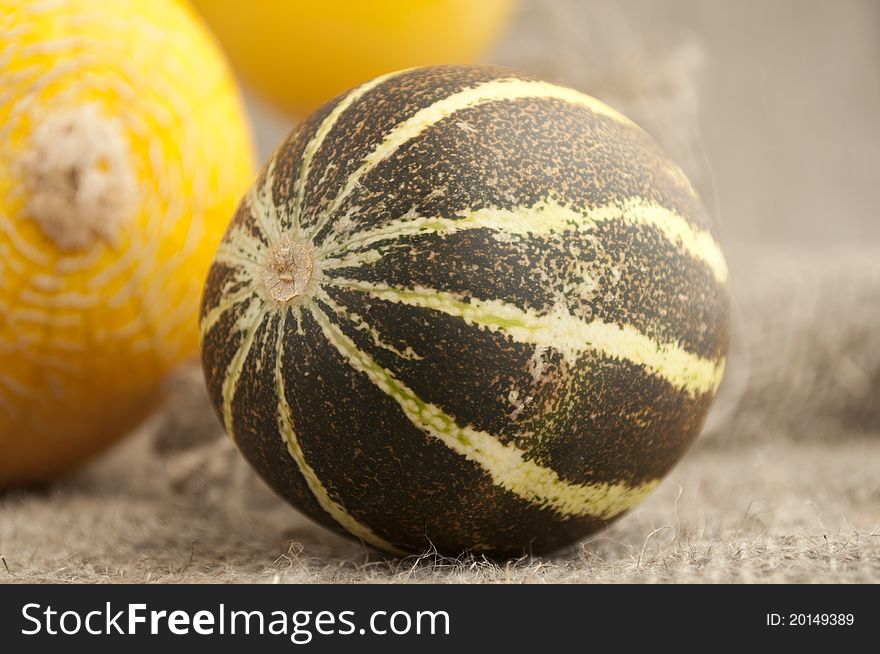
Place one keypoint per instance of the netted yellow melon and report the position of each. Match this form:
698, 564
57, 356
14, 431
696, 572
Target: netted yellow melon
123, 150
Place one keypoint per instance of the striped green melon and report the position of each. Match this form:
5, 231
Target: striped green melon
467, 309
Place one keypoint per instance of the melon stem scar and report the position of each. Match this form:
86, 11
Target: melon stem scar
289, 271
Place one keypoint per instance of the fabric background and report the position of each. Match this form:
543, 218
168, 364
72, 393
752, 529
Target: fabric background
771, 109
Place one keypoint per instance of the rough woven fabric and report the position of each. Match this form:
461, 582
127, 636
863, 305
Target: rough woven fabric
783, 485
805, 359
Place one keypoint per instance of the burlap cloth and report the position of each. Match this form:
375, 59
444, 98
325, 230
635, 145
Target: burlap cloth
784, 485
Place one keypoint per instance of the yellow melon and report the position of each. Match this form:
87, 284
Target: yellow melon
123, 150
300, 53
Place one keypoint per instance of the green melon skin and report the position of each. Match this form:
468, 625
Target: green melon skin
466, 309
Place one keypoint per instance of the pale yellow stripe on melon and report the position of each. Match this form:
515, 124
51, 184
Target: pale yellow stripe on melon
544, 218
696, 242
498, 90
561, 331
334, 509
239, 242
243, 253
248, 323
234, 259
505, 463
216, 312
359, 323
354, 260
262, 205
324, 129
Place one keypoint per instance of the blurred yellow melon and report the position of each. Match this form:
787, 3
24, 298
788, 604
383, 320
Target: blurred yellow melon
123, 152
300, 53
